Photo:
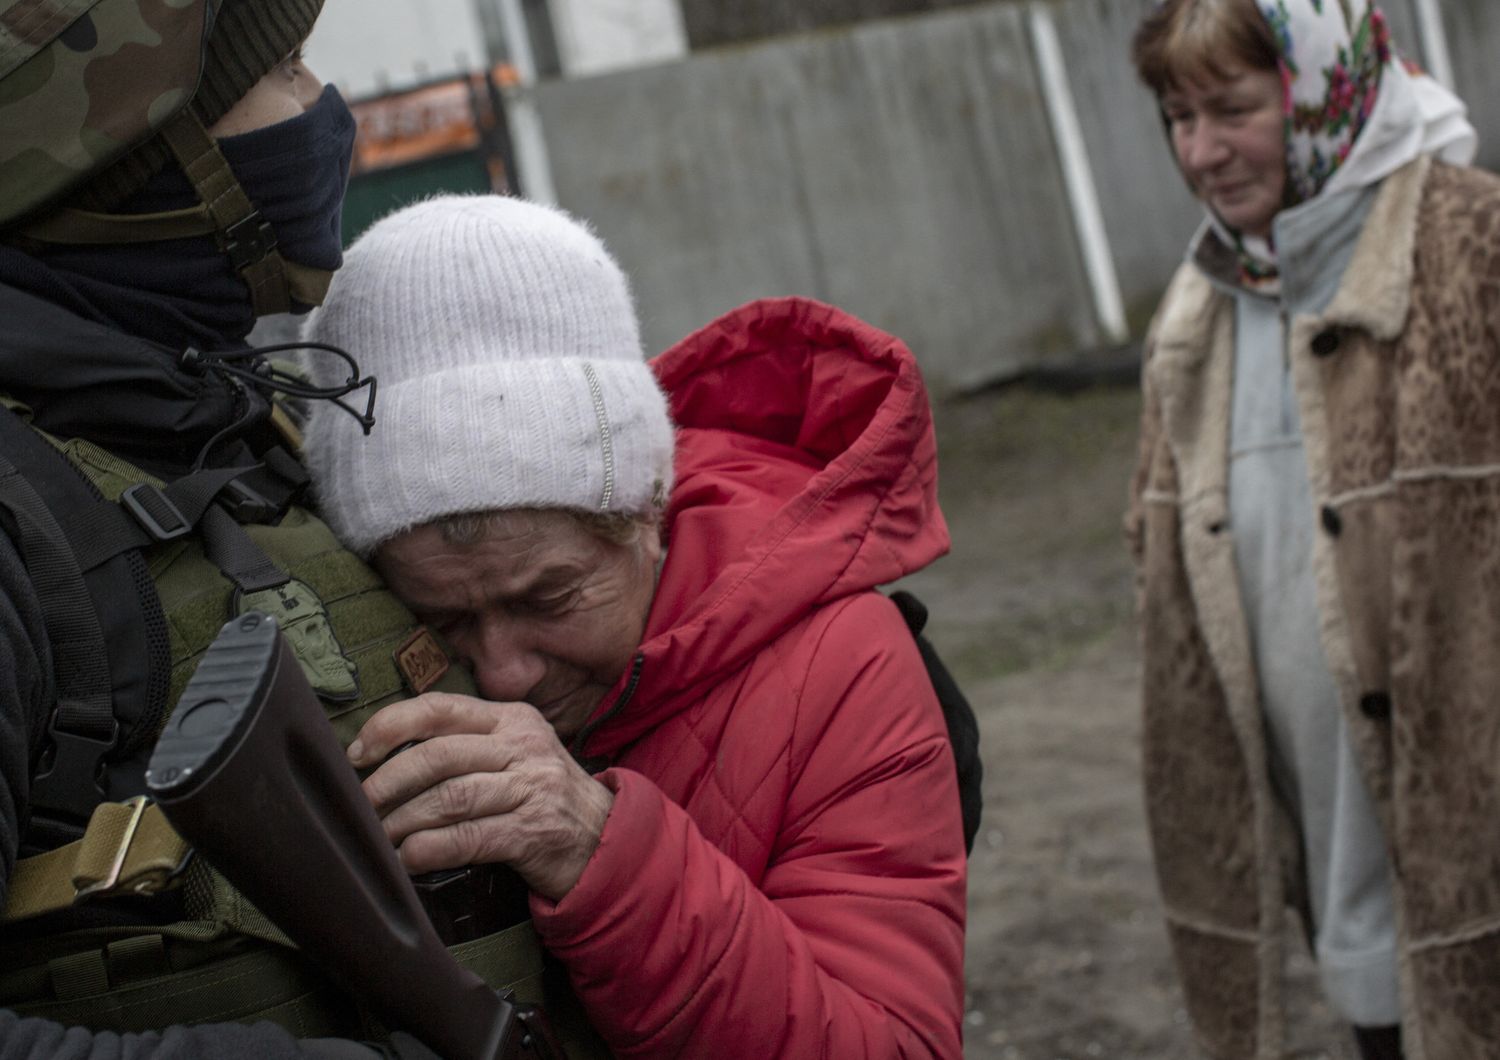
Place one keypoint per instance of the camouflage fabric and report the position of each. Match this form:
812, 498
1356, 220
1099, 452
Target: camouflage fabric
82, 82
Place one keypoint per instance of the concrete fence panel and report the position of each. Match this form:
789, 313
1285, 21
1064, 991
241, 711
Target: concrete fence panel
904, 170
1148, 211
1474, 43
907, 170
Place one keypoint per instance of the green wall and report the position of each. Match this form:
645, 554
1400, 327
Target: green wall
373, 195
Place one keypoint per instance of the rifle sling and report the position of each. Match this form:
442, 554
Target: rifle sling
128, 848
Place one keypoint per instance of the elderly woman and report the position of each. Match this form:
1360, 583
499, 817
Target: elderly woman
710, 749
1315, 517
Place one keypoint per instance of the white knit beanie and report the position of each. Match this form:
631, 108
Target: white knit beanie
509, 367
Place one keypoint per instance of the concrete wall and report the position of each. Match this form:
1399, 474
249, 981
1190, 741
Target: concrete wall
906, 170
1474, 43
903, 170
600, 36
711, 23
1147, 209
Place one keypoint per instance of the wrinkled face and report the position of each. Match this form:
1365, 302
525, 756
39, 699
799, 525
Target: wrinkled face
283, 93
544, 612
1230, 140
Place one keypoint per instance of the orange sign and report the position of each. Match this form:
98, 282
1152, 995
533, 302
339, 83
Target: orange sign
437, 119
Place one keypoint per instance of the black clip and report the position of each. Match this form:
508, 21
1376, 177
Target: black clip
156, 513
249, 240
70, 783
246, 503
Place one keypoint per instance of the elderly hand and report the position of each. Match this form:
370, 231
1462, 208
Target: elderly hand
489, 782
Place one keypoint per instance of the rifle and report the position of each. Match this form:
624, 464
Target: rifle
248, 742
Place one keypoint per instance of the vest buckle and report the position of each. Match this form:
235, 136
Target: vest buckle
70, 783
249, 240
246, 503
156, 513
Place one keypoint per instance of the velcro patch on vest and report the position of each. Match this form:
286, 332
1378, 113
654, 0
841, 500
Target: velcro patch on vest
421, 660
304, 622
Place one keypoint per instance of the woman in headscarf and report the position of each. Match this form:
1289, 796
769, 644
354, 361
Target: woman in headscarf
1315, 516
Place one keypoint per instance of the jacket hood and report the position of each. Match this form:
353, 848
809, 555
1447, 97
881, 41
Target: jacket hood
806, 471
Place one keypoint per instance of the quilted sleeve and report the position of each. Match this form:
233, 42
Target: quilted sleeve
851, 944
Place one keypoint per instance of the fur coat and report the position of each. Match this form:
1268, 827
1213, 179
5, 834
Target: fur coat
1398, 386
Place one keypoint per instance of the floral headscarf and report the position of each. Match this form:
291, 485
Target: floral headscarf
1355, 110
1333, 53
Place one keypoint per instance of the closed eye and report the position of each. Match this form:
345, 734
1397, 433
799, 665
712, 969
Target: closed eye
552, 604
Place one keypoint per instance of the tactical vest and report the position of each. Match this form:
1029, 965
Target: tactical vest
217, 959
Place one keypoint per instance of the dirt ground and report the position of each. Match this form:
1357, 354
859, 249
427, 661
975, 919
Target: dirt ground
1067, 955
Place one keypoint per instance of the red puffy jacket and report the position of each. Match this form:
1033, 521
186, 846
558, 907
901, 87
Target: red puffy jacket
782, 873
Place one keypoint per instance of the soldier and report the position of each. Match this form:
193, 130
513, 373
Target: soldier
169, 171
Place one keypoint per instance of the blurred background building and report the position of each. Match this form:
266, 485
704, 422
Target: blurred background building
984, 179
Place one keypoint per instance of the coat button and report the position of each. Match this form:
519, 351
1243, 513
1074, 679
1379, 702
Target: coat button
1325, 342
1376, 706
1332, 522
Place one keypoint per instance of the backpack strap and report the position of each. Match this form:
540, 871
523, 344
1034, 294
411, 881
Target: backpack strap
963, 727
148, 515
83, 726
105, 628
100, 606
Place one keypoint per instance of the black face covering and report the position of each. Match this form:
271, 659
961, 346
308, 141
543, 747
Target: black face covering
184, 292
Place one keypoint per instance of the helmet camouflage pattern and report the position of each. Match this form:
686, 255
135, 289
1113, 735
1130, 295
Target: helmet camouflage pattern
84, 81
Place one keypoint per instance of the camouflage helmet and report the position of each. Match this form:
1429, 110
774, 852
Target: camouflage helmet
86, 86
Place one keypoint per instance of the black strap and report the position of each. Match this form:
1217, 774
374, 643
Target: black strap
83, 727
106, 632
963, 727
230, 549
243, 233
147, 515
73, 631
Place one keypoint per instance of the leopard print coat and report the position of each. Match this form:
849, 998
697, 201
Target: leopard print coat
1398, 384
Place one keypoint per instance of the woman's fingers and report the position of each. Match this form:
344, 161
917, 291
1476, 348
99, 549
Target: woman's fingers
428, 716
483, 782
548, 834
486, 840
468, 797
426, 765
